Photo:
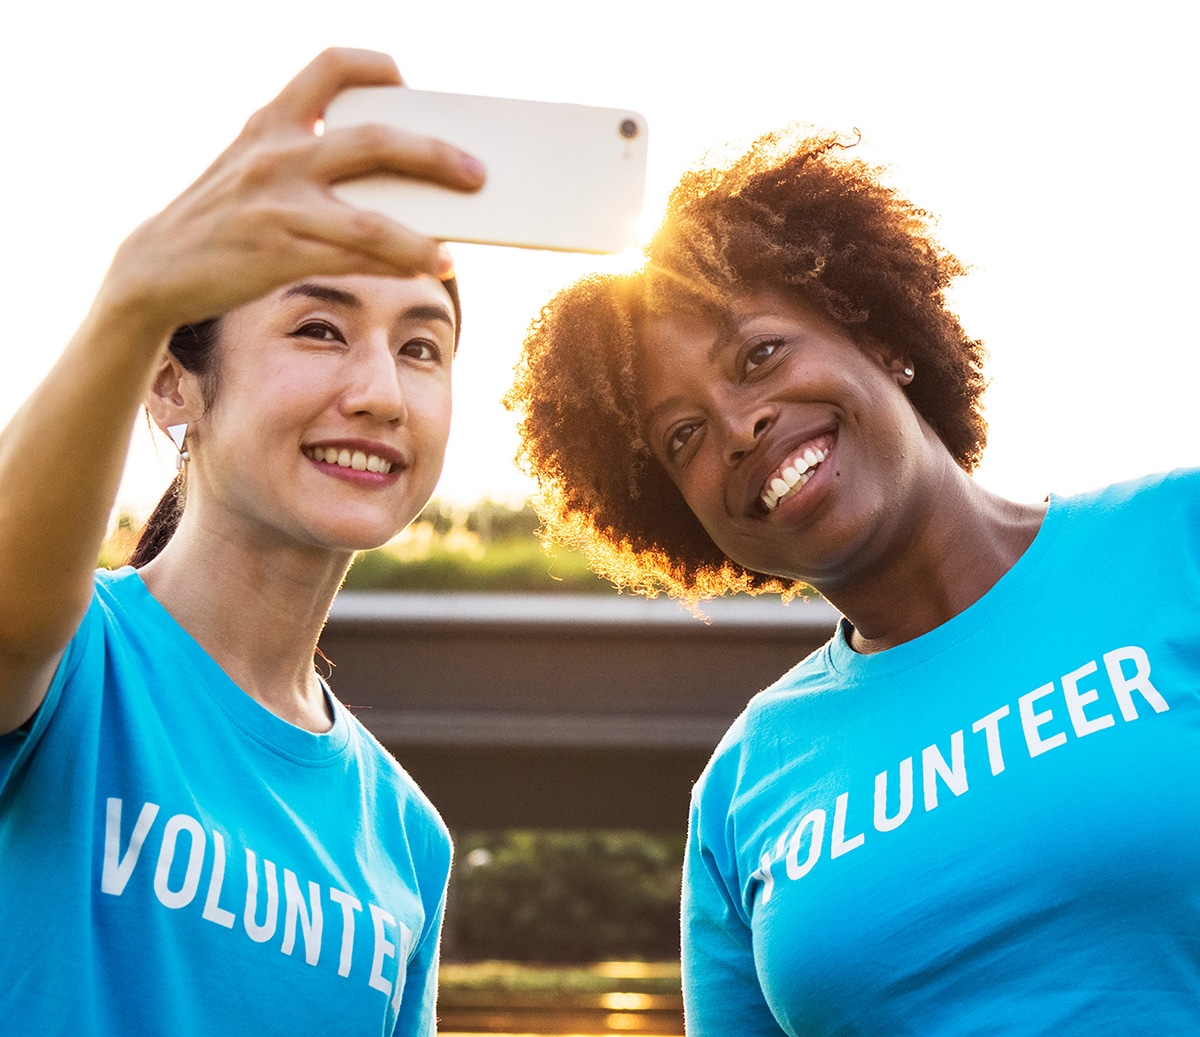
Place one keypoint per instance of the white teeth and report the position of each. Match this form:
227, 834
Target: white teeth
358, 460
792, 478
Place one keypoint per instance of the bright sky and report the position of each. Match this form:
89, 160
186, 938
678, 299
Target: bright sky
1056, 141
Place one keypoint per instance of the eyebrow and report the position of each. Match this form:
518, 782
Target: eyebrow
430, 311
729, 326
325, 293
341, 297
652, 415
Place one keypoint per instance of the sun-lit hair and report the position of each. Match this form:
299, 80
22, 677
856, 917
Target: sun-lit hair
793, 216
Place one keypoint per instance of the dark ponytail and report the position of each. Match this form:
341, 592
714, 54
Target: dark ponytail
161, 524
192, 345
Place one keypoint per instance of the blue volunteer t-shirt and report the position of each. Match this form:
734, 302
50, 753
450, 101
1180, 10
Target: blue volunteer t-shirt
174, 858
992, 829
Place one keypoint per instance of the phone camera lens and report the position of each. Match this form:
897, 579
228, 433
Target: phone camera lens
629, 129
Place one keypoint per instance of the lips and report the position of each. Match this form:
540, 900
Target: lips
794, 473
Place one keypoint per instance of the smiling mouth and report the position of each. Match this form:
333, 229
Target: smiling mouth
358, 460
791, 477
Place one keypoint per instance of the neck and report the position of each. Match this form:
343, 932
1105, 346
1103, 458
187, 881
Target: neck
257, 608
953, 556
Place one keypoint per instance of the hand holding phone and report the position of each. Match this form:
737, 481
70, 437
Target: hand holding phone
559, 176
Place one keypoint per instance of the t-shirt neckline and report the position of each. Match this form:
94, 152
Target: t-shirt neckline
255, 719
1007, 592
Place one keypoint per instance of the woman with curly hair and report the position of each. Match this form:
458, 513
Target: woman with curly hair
971, 810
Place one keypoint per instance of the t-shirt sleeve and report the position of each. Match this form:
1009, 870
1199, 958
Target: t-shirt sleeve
418, 1008
17, 746
417, 1014
721, 990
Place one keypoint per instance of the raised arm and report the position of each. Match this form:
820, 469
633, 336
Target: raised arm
261, 216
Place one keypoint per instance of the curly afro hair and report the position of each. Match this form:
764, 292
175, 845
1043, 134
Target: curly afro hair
792, 216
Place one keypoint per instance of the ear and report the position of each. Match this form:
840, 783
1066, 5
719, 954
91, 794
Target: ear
899, 367
174, 397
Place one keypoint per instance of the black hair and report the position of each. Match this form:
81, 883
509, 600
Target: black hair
193, 345
794, 216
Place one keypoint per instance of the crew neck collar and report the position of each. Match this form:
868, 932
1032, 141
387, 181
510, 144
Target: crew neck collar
1008, 591
253, 718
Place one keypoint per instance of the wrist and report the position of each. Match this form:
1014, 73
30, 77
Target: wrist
133, 307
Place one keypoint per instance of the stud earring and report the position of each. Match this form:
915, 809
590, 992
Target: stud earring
178, 433
908, 372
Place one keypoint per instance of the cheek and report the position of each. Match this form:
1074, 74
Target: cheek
429, 415
702, 494
275, 391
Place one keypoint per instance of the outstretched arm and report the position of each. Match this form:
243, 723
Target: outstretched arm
260, 216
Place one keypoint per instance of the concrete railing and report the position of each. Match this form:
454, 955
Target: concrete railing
572, 711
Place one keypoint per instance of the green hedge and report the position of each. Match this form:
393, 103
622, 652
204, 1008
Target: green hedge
512, 566
565, 896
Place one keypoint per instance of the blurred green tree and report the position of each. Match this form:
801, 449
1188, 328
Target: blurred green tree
488, 547
566, 896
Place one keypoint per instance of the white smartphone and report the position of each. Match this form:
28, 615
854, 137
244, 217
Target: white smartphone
559, 176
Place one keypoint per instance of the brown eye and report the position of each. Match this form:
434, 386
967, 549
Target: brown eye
421, 349
679, 438
319, 330
760, 353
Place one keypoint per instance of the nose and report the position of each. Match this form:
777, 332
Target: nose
374, 386
745, 430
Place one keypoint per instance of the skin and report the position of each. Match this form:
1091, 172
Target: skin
888, 527
260, 217
351, 363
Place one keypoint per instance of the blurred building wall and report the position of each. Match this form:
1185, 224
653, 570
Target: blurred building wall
561, 712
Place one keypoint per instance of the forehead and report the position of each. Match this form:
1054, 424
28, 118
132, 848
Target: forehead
694, 328
382, 299
396, 293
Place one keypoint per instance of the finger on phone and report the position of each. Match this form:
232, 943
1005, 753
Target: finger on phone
304, 99
368, 242
372, 148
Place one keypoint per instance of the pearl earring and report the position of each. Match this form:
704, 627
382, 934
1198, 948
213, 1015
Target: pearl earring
178, 433
908, 372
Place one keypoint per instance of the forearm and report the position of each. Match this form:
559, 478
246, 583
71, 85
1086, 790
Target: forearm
61, 459
259, 217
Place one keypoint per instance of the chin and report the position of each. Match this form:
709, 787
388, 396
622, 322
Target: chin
368, 540
348, 535
355, 525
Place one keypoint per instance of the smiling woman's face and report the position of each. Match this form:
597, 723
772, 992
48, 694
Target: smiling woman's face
795, 447
332, 411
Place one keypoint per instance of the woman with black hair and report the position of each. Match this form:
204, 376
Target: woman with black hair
195, 835
972, 811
